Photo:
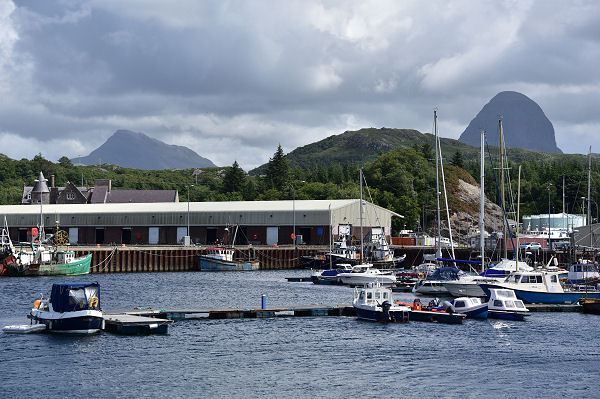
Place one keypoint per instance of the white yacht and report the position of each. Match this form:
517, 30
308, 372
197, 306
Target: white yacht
365, 274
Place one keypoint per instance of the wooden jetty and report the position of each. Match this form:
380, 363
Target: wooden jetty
237, 313
541, 307
130, 324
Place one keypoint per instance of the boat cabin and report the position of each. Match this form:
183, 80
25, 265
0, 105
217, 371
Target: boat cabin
536, 280
71, 297
582, 272
220, 253
501, 299
372, 295
65, 256
466, 303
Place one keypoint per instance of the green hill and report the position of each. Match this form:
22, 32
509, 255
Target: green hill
365, 145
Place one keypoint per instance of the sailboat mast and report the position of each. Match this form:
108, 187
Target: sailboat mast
502, 184
482, 203
438, 249
361, 216
518, 211
589, 218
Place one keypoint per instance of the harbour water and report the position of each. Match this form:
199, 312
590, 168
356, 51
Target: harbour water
549, 355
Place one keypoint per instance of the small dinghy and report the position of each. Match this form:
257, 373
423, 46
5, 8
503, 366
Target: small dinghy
24, 328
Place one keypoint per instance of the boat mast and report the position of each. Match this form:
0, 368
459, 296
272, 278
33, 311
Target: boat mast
502, 185
446, 200
361, 215
438, 247
330, 236
518, 211
482, 203
589, 218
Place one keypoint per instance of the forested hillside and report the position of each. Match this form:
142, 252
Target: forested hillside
402, 180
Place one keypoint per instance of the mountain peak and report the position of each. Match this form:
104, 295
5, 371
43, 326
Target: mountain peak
524, 124
138, 150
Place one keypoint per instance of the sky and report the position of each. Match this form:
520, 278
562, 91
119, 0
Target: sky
233, 79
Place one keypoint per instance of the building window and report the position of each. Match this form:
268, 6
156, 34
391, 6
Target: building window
28, 196
70, 196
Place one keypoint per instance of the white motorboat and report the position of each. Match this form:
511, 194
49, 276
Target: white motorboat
365, 274
374, 302
72, 308
468, 285
472, 307
434, 284
504, 304
543, 286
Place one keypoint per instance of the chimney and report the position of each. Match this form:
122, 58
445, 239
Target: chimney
51, 180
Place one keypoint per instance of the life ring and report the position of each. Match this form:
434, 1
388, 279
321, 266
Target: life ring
94, 302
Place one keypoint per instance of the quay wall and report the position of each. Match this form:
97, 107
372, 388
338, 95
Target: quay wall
133, 259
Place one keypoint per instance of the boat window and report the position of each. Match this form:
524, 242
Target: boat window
497, 303
77, 299
91, 291
510, 304
524, 279
519, 304
362, 295
460, 304
377, 294
538, 279
369, 295
385, 295
553, 278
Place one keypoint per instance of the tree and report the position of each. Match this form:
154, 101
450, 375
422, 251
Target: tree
278, 169
457, 160
427, 151
234, 179
65, 162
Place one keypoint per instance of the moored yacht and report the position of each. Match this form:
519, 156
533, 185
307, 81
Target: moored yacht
365, 274
542, 286
72, 308
434, 284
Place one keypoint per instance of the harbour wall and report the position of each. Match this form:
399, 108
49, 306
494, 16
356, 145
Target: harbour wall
133, 259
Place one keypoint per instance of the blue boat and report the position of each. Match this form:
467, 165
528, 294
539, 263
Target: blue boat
543, 287
222, 259
472, 307
72, 308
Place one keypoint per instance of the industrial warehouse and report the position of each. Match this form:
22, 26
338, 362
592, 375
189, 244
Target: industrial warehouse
311, 222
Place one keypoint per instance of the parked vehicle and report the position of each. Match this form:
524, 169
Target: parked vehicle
531, 246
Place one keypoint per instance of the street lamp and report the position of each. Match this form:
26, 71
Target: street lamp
293, 213
188, 212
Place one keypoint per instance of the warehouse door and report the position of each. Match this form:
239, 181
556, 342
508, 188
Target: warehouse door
181, 232
73, 235
99, 236
153, 235
272, 235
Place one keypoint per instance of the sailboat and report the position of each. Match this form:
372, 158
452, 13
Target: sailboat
365, 273
434, 283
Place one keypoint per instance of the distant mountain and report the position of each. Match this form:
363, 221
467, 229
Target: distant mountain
524, 124
137, 150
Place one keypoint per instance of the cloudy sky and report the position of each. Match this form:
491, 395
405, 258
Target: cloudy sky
232, 79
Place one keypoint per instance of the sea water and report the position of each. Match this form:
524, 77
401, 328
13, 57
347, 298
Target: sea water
549, 355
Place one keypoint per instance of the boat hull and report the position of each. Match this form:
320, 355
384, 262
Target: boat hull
400, 316
440, 317
356, 281
79, 266
591, 305
82, 322
569, 297
464, 289
212, 264
507, 315
480, 312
